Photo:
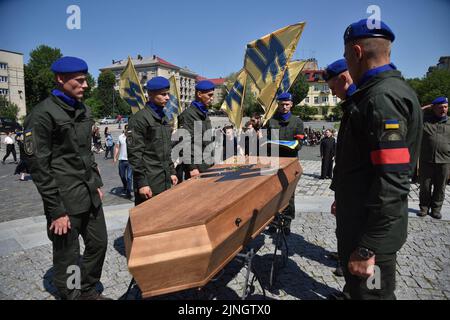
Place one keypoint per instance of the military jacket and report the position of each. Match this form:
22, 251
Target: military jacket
57, 142
378, 147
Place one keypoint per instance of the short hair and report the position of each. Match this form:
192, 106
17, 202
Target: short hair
375, 47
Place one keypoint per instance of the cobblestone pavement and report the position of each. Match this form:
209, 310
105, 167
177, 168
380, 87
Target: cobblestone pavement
423, 263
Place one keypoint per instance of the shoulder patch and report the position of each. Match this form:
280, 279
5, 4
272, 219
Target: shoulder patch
391, 124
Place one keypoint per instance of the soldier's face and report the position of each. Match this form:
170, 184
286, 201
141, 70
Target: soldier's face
440, 110
160, 97
338, 86
73, 84
205, 97
284, 106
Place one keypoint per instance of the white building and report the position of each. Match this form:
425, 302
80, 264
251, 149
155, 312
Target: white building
12, 85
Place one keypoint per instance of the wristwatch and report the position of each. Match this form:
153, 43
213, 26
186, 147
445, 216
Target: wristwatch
365, 253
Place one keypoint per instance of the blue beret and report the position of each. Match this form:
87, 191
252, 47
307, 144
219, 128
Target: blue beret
335, 69
285, 96
157, 83
69, 65
205, 85
359, 30
440, 100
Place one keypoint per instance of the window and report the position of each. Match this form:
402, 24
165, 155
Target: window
325, 88
3, 66
334, 100
316, 100
3, 79
307, 100
317, 87
3, 92
324, 99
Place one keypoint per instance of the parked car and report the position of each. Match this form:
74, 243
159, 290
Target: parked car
9, 125
108, 121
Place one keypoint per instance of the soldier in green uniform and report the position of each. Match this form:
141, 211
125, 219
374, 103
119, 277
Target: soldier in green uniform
341, 85
434, 162
379, 148
290, 128
57, 142
149, 145
196, 122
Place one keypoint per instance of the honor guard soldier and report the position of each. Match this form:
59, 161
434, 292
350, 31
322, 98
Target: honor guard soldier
197, 115
379, 149
434, 161
341, 85
57, 141
149, 145
290, 128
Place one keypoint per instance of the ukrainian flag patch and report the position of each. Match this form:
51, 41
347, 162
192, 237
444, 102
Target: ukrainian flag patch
391, 124
28, 133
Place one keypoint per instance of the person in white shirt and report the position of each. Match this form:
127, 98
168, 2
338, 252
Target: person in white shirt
125, 171
10, 148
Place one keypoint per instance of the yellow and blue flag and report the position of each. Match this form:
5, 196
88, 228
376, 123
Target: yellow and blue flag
130, 88
233, 103
266, 60
173, 107
293, 70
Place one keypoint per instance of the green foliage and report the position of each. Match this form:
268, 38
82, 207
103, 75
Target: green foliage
436, 84
91, 83
299, 89
8, 109
39, 79
337, 112
305, 113
106, 93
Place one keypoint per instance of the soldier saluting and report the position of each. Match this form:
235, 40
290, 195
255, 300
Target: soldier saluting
57, 141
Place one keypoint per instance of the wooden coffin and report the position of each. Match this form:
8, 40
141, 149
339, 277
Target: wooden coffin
181, 238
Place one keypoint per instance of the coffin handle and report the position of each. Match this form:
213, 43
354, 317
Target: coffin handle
237, 222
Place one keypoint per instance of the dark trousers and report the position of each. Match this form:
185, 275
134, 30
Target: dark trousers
66, 252
357, 287
10, 148
327, 167
126, 175
433, 179
109, 150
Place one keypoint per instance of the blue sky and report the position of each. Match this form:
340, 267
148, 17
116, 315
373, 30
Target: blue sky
209, 36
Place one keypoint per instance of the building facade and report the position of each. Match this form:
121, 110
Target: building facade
149, 67
12, 83
319, 94
444, 64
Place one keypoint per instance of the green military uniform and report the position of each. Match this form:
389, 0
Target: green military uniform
188, 120
434, 163
378, 147
288, 130
58, 146
149, 150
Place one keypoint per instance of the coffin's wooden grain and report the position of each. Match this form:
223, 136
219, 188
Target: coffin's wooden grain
184, 236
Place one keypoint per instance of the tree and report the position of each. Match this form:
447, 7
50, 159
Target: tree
39, 80
8, 109
106, 93
91, 83
299, 89
337, 112
436, 84
305, 112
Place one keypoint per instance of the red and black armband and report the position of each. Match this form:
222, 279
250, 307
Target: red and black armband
391, 156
